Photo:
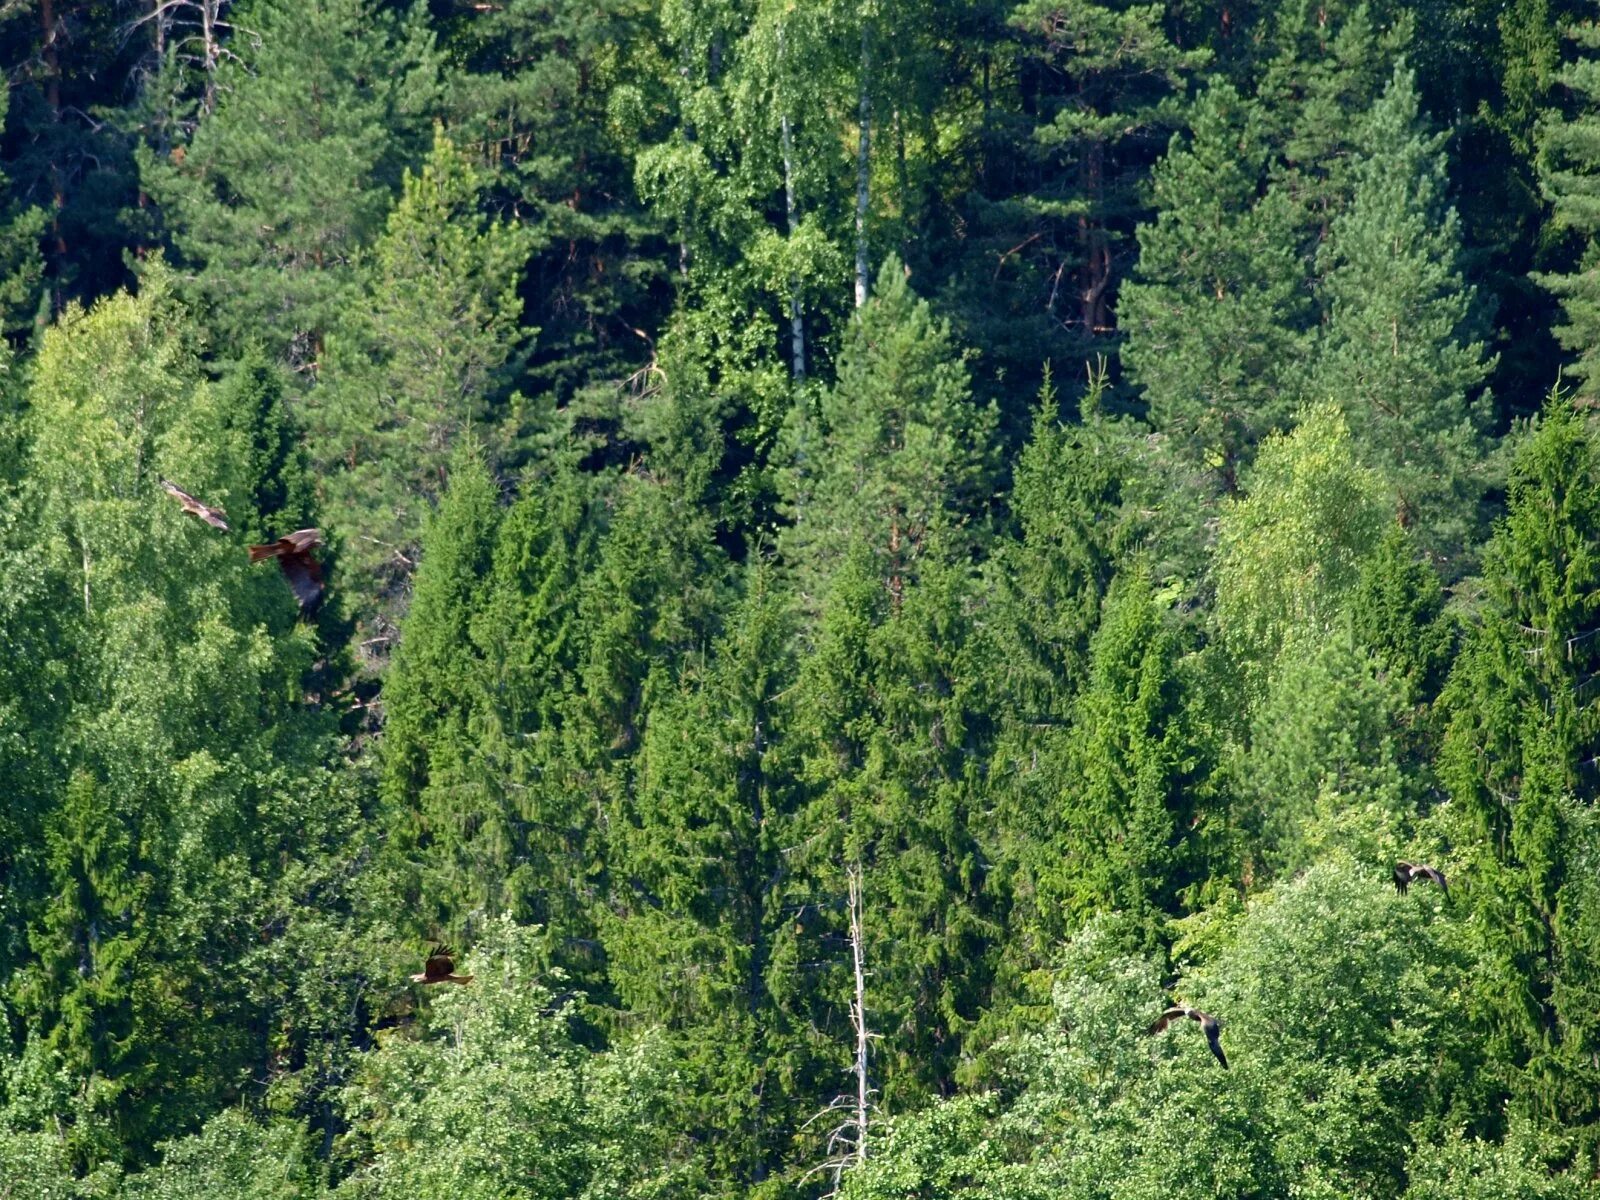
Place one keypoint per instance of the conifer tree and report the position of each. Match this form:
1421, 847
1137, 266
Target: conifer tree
292, 173
898, 452
1130, 785
689, 938
427, 744
1051, 237
1217, 315
422, 358
551, 102
1569, 162
1401, 351
1518, 759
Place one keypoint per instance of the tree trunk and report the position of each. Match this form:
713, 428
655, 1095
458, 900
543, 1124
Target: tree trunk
858, 1015
797, 323
863, 159
51, 57
1095, 274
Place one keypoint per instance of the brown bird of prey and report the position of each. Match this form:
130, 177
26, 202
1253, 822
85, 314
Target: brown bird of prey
211, 516
1405, 874
303, 572
1212, 1027
438, 968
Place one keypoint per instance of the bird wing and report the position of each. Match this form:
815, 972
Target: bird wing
302, 540
1435, 875
440, 963
1402, 877
1167, 1018
304, 574
1214, 1036
211, 516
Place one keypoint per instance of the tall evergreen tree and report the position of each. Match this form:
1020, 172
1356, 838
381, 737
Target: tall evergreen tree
1401, 352
898, 452
1568, 164
1518, 759
424, 355
292, 172
1218, 314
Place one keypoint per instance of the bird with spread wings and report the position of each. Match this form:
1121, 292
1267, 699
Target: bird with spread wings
439, 967
1208, 1023
214, 517
304, 573
1405, 874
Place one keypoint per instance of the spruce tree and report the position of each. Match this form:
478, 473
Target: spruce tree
1569, 162
1518, 760
427, 745
898, 452
1217, 315
689, 936
1402, 351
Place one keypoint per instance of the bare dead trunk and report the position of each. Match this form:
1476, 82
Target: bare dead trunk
858, 1015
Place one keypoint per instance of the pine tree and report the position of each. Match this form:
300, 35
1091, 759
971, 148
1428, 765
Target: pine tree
291, 174
550, 101
1401, 352
423, 357
1048, 237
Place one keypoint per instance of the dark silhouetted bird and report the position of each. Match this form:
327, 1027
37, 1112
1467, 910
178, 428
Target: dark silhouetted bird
211, 516
438, 968
1212, 1027
303, 572
1405, 874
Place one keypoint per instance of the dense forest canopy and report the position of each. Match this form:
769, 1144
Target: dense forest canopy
845, 555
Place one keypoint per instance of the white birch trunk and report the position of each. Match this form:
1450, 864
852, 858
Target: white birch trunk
863, 156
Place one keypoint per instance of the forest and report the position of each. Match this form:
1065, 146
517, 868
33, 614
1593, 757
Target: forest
868, 550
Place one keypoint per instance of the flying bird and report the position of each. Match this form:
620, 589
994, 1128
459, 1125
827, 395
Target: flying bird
211, 516
1212, 1027
439, 967
303, 572
1405, 874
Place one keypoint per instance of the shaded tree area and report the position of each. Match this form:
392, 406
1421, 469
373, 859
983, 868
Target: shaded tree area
870, 547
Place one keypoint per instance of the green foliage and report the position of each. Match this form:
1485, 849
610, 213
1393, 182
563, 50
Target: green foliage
824, 775
420, 359
501, 1101
1290, 553
1216, 317
1518, 760
1401, 353
273, 195
897, 453
1568, 163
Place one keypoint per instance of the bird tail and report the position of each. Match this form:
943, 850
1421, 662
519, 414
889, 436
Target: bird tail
459, 978
257, 553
